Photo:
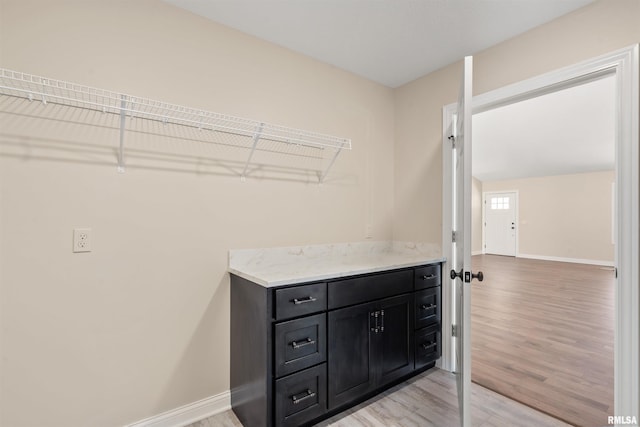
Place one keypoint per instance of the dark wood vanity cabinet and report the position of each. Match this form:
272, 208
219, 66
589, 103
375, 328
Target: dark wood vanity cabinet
301, 353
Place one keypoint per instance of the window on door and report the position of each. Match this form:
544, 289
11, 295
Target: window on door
499, 203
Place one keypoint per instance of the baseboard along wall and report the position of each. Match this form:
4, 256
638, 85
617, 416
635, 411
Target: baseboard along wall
572, 260
189, 413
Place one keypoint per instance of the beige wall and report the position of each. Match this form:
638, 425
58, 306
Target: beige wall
141, 324
596, 29
565, 216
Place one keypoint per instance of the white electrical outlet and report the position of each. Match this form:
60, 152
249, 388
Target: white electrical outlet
368, 231
81, 240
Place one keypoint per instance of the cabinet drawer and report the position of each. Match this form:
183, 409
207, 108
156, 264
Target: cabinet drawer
427, 277
300, 343
300, 300
427, 307
301, 397
369, 288
427, 345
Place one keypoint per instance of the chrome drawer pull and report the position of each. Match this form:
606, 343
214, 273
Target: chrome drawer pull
305, 395
427, 307
428, 346
297, 344
297, 301
429, 277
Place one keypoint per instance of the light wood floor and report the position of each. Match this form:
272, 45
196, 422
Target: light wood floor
542, 334
427, 400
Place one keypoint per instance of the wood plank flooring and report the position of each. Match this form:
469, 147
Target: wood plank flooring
542, 334
427, 400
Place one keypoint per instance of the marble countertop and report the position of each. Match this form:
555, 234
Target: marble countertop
274, 267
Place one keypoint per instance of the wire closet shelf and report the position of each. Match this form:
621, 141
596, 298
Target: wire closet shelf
46, 90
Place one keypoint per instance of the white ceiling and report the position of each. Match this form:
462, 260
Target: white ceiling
388, 41
565, 132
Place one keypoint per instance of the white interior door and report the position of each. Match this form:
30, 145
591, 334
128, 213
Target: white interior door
500, 223
461, 249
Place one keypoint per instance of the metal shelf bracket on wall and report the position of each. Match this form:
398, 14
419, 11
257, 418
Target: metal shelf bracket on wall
256, 138
324, 174
247, 133
123, 123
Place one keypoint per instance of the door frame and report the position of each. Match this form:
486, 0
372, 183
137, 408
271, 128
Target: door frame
484, 218
624, 64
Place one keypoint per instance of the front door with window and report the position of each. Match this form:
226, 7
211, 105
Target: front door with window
500, 223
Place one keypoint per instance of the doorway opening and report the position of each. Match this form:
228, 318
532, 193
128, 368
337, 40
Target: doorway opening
623, 66
543, 322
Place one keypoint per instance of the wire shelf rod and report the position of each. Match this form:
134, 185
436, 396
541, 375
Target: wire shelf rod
200, 124
31, 87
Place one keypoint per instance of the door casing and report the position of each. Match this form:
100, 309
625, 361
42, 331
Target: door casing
624, 64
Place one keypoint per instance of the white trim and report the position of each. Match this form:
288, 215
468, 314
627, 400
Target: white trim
484, 219
448, 355
624, 63
189, 413
626, 353
483, 224
554, 81
613, 213
474, 253
571, 260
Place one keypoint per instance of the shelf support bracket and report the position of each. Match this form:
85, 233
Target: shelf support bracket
123, 123
324, 174
256, 138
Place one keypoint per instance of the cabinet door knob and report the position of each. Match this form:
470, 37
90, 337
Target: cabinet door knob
429, 277
427, 307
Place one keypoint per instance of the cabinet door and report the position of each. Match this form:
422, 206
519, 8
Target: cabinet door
350, 351
395, 351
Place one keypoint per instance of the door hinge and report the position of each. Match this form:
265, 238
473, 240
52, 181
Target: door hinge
454, 331
615, 271
453, 236
453, 141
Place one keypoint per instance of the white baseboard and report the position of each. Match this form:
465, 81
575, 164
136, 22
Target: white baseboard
572, 260
189, 413
476, 253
